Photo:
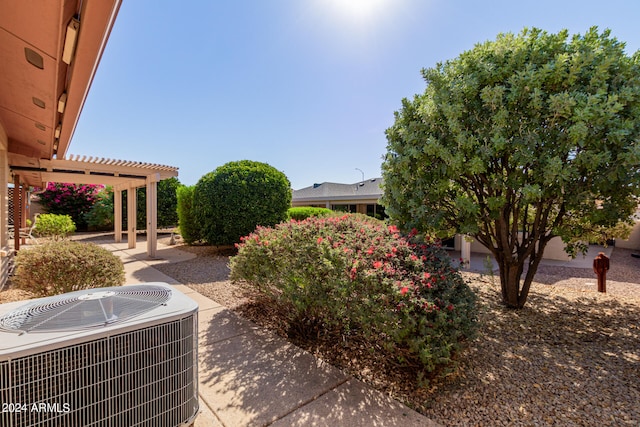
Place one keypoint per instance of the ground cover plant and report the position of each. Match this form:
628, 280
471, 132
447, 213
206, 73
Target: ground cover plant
64, 266
354, 278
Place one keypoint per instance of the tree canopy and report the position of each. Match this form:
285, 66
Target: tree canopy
519, 140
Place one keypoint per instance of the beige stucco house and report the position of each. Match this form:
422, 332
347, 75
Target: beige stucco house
49, 53
360, 197
363, 197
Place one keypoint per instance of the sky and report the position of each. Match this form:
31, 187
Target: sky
307, 86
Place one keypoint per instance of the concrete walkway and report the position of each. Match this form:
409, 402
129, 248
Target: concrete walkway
251, 377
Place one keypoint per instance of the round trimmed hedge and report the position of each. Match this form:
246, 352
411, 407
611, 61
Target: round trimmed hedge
232, 200
64, 266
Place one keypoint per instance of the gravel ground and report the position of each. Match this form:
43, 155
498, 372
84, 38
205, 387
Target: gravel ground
571, 357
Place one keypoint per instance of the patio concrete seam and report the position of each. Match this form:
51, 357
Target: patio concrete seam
204, 401
312, 399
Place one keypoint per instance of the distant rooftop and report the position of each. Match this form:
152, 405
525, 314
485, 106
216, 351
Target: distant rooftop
367, 189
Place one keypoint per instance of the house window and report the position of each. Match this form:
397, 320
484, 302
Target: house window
449, 243
344, 208
376, 211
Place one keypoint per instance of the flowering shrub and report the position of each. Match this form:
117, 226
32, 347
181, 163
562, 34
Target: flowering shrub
74, 200
54, 226
64, 266
356, 277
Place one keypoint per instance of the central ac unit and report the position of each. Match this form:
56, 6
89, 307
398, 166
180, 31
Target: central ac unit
120, 356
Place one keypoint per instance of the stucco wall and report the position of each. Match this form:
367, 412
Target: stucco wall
633, 242
553, 250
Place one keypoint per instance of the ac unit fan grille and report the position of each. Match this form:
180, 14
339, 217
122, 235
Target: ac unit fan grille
85, 309
147, 377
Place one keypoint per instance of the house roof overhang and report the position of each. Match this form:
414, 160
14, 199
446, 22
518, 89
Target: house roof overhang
35, 78
367, 198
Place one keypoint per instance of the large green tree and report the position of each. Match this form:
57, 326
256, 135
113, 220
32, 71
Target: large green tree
519, 140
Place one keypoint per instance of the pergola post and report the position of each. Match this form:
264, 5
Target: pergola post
152, 214
4, 202
117, 214
131, 217
23, 211
465, 251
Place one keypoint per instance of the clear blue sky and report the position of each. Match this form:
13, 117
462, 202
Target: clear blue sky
308, 86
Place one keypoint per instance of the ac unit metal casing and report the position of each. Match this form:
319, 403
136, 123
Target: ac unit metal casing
134, 369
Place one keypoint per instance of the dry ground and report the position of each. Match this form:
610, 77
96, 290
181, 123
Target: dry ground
570, 357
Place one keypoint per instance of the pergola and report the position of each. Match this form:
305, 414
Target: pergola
122, 175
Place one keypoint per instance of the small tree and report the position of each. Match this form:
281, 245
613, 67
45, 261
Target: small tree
517, 141
231, 201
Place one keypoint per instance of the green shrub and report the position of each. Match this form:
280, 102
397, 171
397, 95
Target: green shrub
189, 228
167, 203
54, 226
300, 213
235, 198
356, 277
64, 266
100, 216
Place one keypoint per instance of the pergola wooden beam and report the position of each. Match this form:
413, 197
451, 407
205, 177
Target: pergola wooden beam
122, 175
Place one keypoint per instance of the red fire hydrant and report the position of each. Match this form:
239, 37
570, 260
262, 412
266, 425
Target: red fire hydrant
600, 267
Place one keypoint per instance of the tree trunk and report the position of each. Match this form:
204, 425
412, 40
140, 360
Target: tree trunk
514, 290
510, 273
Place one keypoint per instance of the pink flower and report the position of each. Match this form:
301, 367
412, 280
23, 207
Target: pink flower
404, 290
319, 240
377, 264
